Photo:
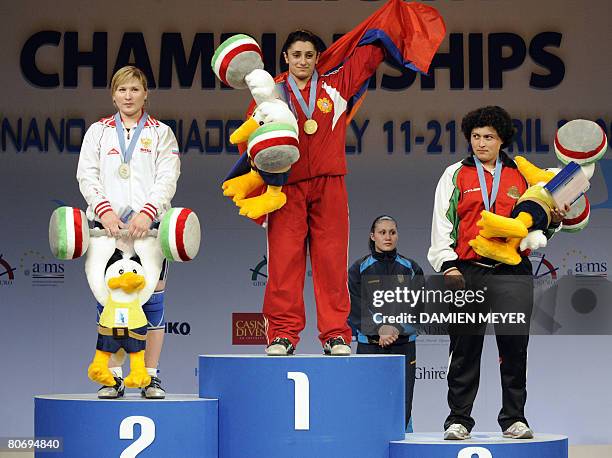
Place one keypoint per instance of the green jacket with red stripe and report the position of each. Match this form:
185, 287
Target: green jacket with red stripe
457, 207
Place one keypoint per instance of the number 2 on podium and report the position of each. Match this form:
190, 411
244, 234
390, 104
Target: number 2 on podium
147, 434
301, 393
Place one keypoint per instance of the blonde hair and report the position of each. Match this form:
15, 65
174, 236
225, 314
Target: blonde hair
126, 73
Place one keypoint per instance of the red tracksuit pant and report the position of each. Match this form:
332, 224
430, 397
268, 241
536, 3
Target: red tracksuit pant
316, 213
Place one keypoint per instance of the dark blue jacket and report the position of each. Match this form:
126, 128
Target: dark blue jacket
378, 268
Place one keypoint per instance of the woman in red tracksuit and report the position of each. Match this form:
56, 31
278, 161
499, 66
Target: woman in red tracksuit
315, 216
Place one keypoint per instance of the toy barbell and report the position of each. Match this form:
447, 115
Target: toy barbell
178, 234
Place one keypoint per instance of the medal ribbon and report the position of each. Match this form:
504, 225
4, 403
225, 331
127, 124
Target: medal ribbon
308, 110
281, 90
483, 182
126, 156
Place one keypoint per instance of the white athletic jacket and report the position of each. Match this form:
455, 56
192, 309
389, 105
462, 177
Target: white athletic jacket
154, 170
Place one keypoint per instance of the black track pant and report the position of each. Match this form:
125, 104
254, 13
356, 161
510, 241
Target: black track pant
509, 288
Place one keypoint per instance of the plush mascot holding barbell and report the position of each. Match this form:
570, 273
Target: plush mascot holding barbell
579, 144
122, 274
270, 132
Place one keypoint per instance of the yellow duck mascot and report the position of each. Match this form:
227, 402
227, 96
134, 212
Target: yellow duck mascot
578, 145
271, 133
122, 274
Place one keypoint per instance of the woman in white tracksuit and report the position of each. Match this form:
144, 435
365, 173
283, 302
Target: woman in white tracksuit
128, 168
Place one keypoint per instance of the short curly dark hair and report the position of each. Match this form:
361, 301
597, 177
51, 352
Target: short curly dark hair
491, 116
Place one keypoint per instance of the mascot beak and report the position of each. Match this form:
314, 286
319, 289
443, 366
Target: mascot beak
242, 134
128, 282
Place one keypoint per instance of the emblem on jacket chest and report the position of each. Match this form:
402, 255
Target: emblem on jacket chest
513, 192
325, 105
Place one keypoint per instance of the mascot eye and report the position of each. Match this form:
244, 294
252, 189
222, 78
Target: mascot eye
120, 271
261, 123
134, 270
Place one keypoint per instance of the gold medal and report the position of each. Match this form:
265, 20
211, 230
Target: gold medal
310, 126
124, 171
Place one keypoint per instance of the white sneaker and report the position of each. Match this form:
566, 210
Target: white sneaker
281, 346
518, 430
456, 432
112, 392
336, 346
153, 390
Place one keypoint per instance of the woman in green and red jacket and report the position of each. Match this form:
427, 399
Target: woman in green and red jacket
487, 179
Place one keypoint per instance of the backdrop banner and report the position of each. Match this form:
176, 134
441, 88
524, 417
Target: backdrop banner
544, 62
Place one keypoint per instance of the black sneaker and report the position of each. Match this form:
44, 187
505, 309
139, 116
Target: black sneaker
336, 346
153, 390
281, 346
112, 392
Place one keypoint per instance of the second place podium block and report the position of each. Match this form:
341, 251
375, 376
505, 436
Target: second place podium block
180, 425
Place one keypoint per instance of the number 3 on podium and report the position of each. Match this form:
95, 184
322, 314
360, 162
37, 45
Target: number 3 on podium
469, 452
301, 393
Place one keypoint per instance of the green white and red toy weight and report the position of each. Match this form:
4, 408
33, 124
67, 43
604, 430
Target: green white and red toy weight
583, 142
179, 234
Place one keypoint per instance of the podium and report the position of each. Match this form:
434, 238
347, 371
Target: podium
260, 406
306, 406
481, 445
180, 425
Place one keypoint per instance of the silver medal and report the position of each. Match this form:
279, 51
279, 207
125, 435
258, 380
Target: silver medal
124, 171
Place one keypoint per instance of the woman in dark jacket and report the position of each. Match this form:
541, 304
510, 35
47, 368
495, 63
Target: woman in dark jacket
384, 269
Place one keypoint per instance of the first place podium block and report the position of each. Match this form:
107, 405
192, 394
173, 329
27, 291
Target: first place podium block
180, 425
306, 406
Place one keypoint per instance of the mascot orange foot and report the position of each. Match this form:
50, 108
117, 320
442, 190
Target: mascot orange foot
138, 373
241, 186
98, 369
269, 201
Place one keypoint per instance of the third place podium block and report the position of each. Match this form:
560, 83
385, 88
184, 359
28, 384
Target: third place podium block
481, 445
305, 406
